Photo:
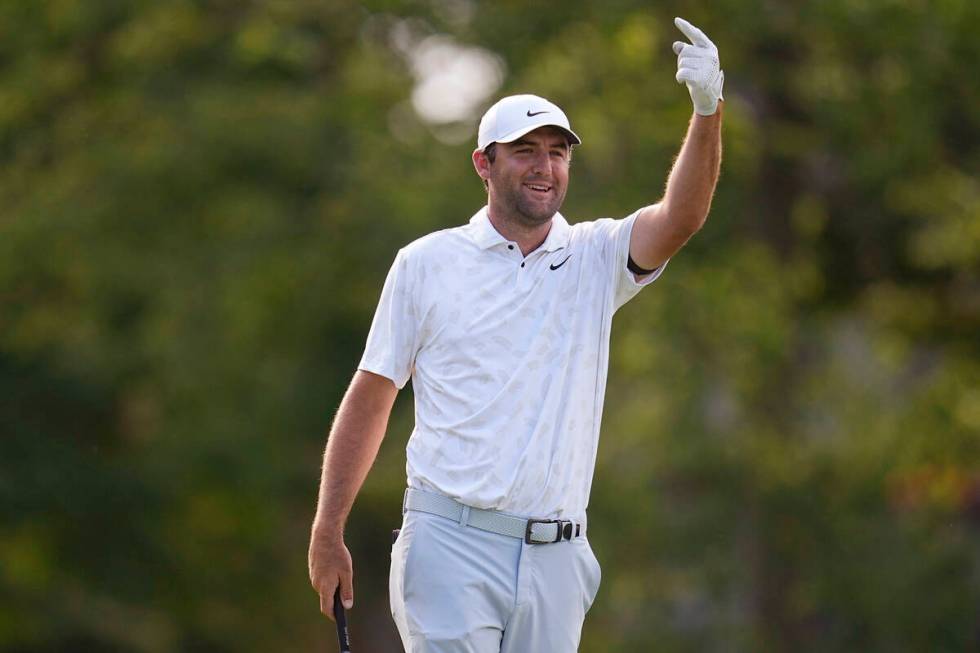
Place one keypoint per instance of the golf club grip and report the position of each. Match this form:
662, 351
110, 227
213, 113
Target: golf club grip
341, 617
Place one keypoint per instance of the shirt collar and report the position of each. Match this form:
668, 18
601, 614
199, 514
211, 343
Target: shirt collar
486, 236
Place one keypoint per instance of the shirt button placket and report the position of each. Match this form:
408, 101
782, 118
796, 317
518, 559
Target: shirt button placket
523, 275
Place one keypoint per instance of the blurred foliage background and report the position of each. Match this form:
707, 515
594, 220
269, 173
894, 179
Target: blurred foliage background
199, 201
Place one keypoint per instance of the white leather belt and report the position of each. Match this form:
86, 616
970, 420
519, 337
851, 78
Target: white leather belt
532, 531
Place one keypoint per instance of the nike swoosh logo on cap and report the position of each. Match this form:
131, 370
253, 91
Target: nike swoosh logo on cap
531, 115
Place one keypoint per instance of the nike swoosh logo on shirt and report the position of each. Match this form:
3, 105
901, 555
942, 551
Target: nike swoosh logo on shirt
555, 267
531, 115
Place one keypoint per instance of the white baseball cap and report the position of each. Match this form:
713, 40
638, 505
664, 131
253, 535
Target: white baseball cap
515, 115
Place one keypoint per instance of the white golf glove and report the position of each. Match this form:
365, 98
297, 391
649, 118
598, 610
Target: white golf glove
698, 67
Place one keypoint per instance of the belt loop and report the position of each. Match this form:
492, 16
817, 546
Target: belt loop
405, 500
464, 516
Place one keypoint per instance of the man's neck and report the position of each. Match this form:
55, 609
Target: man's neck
528, 238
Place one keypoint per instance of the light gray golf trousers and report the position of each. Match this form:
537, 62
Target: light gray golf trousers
459, 589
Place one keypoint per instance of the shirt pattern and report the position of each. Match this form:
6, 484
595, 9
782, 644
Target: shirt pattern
508, 362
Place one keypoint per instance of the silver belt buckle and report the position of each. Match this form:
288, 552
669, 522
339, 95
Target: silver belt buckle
565, 530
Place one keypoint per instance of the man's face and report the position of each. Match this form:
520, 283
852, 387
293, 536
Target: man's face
529, 177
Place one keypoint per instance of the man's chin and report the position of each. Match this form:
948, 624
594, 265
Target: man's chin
530, 212
537, 215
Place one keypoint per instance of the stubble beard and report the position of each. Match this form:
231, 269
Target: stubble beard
526, 213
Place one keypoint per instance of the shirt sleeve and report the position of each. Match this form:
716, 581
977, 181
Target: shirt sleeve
392, 342
616, 250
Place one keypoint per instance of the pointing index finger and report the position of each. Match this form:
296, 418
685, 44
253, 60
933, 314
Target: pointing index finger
696, 36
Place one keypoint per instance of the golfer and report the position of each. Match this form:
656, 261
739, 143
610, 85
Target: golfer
503, 326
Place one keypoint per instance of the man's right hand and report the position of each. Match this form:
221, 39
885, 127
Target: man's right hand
352, 447
330, 566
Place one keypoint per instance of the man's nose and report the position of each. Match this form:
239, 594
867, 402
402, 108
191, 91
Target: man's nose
542, 164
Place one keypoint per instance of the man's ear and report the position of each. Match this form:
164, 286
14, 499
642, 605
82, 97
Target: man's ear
482, 164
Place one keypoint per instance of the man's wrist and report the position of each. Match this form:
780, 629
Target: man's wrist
706, 112
715, 112
326, 529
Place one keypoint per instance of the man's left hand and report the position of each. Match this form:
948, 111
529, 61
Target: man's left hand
699, 68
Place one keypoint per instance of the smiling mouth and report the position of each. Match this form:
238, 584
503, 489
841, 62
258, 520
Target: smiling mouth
542, 189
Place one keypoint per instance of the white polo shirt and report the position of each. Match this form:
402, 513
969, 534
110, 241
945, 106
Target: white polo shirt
508, 358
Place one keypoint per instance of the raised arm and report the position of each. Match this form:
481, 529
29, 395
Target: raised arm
355, 437
661, 229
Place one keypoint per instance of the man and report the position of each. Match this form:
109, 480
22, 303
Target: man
503, 325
